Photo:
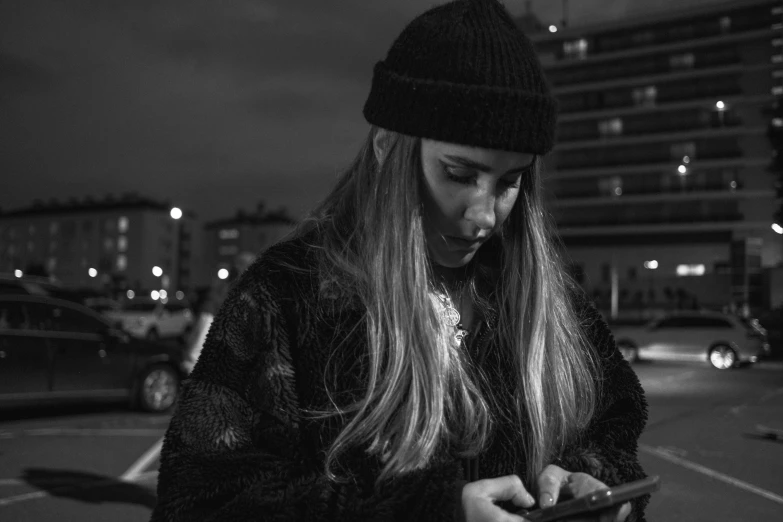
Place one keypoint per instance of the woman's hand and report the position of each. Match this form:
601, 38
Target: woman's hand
478, 499
556, 483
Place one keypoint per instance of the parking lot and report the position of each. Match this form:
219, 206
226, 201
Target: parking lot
703, 439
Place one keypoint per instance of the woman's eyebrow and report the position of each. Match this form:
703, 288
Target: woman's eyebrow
467, 162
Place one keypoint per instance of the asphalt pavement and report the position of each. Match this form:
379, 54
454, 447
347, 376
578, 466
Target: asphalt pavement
715, 438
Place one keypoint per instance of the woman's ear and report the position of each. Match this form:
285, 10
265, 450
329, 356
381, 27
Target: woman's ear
380, 144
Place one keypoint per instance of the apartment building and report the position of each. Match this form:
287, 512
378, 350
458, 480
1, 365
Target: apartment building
660, 179
101, 244
246, 233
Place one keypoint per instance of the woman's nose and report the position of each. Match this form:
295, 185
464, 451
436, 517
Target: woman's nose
481, 210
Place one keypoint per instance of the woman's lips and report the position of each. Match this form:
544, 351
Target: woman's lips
464, 244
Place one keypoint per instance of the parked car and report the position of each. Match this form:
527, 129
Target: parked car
56, 350
724, 340
36, 285
154, 320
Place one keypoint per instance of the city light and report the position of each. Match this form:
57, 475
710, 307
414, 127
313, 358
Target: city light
682, 169
155, 295
223, 273
686, 159
651, 265
176, 213
552, 28
157, 271
180, 295
777, 122
163, 294
690, 270
720, 105
92, 272
18, 273
777, 228
131, 294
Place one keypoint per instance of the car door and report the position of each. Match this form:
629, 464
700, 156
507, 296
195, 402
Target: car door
87, 358
664, 339
25, 358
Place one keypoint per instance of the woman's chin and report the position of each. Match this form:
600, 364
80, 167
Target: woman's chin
454, 259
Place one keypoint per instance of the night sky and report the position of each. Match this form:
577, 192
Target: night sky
212, 104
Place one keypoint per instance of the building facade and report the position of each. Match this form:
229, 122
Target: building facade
659, 181
245, 234
101, 244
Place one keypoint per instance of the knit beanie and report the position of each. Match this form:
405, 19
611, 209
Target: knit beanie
463, 72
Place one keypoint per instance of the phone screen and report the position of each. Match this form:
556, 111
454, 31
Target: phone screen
595, 501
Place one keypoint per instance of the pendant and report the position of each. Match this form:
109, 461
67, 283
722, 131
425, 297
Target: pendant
450, 315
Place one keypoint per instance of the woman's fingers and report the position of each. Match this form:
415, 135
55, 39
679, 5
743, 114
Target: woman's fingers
549, 483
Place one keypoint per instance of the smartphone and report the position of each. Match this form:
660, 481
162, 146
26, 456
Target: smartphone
595, 501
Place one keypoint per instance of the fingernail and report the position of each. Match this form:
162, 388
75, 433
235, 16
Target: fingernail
545, 500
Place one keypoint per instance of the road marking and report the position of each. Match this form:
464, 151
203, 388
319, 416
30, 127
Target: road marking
667, 454
142, 462
7, 501
84, 432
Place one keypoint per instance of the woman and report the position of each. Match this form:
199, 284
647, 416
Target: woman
415, 350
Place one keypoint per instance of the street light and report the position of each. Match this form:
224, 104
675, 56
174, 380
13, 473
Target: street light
777, 228
18, 273
223, 273
157, 271
552, 28
92, 272
176, 213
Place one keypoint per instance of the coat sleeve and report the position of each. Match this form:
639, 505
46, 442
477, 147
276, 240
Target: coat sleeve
608, 448
236, 449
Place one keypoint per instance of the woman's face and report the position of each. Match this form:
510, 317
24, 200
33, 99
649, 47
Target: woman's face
470, 193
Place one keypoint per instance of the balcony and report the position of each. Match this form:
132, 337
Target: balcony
566, 196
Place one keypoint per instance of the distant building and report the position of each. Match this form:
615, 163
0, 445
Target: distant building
101, 244
244, 234
659, 178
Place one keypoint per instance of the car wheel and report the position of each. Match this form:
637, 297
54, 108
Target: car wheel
158, 388
723, 357
153, 335
629, 352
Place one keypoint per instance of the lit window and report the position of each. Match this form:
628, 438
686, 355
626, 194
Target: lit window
690, 270
122, 262
108, 243
122, 224
645, 96
51, 264
575, 48
777, 90
228, 233
122, 244
682, 61
228, 250
611, 127
31, 229
725, 24
611, 186
53, 227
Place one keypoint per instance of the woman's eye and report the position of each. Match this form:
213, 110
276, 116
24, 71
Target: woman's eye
458, 175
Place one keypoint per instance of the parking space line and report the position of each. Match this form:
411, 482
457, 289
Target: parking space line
149, 456
84, 432
680, 461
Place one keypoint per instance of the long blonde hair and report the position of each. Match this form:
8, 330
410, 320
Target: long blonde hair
420, 393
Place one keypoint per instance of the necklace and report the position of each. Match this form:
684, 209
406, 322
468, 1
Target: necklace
451, 315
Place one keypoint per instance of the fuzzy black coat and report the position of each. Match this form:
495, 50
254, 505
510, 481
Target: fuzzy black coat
239, 449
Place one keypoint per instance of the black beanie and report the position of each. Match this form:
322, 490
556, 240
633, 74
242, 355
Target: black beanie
463, 72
